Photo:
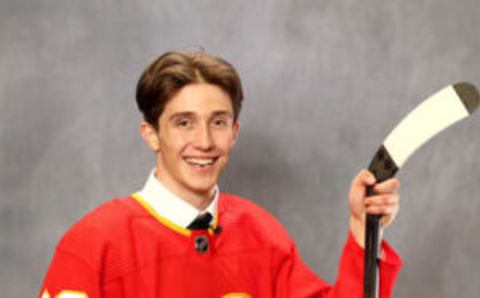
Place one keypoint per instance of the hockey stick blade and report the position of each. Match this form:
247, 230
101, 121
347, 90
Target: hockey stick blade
439, 111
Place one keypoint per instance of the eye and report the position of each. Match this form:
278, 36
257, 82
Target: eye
183, 123
221, 122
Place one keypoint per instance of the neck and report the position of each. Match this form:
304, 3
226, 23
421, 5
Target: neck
199, 200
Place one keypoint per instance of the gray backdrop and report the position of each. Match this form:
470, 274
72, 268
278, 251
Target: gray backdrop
325, 81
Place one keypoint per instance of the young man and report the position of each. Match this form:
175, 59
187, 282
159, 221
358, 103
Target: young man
180, 236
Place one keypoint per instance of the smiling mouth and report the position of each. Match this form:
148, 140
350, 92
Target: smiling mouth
200, 162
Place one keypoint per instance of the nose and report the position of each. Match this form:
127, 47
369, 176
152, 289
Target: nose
204, 140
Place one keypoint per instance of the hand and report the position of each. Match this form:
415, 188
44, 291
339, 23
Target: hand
385, 202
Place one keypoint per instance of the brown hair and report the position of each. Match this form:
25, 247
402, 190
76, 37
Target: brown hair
173, 70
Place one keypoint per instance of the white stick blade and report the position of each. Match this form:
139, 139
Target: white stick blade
437, 112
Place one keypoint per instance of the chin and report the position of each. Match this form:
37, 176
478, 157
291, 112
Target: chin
202, 188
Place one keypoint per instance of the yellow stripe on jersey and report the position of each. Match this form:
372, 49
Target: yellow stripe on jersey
160, 218
214, 224
65, 294
237, 295
45, 294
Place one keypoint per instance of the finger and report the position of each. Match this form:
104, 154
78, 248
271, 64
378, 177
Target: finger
383, 200
388, 219
387, 211
363, 178
387, 186
367, 178
359, 184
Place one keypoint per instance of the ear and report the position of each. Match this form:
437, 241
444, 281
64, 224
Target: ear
236, 130
150, 136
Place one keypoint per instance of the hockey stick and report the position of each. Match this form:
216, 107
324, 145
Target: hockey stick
442, 109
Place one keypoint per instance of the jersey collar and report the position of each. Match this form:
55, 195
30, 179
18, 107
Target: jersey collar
171, 207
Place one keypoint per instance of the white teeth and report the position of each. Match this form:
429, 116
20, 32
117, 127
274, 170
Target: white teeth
200, 162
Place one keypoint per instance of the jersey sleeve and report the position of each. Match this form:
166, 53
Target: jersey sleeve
295, 279
69, 276
350, 279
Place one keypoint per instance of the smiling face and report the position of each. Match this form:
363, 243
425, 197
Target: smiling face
196, 133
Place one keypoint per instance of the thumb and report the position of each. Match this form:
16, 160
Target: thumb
360, 183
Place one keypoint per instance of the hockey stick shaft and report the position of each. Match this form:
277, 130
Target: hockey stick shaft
383, 168
372, 243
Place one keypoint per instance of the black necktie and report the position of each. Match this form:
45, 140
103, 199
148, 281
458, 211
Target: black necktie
202, 222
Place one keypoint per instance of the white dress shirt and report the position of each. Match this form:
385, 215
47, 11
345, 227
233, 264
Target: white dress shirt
171, 207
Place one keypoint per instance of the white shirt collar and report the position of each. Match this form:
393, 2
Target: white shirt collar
170, 206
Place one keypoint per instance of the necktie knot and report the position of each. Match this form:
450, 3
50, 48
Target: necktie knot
201, 222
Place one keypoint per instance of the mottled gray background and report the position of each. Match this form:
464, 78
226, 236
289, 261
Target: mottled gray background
325, 81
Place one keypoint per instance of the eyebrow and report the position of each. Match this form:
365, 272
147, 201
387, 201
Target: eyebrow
189, 114
181, 114
223, 113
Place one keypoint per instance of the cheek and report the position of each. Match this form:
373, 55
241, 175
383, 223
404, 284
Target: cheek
174, 144
226, 143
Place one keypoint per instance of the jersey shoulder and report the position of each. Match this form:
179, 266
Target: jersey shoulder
88, 237
241, 212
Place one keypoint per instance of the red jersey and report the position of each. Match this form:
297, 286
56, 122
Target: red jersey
124, 249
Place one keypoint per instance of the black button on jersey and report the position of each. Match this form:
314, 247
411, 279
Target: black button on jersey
201, 244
